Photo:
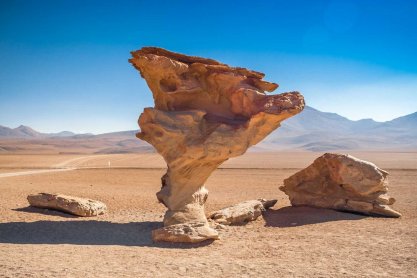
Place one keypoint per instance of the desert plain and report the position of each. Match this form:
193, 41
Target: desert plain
286, 241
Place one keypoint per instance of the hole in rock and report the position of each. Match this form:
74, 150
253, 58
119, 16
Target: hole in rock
168, 85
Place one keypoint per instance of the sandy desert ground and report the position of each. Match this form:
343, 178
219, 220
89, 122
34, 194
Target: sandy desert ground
285, 242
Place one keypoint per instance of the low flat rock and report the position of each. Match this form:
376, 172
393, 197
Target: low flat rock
69, 204
241, 213
185, 232
341, 182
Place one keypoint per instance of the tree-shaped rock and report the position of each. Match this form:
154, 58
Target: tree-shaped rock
205, 112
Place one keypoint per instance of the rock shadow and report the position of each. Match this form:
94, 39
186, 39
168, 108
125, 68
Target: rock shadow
45, 211
86, 232
299, 216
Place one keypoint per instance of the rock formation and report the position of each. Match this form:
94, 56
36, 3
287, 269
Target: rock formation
241, 213
185, 232
341, 182
73, 205
205, 112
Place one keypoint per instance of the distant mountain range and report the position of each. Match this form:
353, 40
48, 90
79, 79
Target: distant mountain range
311, 130
320, 131
24, 139
27, 132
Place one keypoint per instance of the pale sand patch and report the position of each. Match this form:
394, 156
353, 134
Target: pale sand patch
15, 170
32, 172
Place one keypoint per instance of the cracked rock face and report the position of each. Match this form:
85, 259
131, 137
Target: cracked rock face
341, 182
205, 112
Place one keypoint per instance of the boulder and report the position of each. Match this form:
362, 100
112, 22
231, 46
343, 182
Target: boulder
341, 182
205, 112
69, 204
241, 213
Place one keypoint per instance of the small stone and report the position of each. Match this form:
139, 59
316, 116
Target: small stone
69, 204
268, 203
217, 226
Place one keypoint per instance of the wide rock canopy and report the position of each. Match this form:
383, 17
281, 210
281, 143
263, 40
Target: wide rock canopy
205, 112
341, 182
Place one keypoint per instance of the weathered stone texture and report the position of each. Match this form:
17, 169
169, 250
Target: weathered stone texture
69, 204
241, 213
205, 112
341, 182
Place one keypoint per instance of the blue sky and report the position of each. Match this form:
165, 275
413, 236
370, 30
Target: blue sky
64, 63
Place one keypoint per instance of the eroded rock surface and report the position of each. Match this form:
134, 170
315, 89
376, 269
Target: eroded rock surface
185, 232
341, 182
205, 112
241, 213
69, 204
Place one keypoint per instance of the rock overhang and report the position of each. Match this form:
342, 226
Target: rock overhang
228, 94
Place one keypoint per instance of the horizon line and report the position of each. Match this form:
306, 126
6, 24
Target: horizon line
114, 131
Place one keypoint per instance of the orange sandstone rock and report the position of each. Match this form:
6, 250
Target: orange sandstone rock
341, 182
205, 112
